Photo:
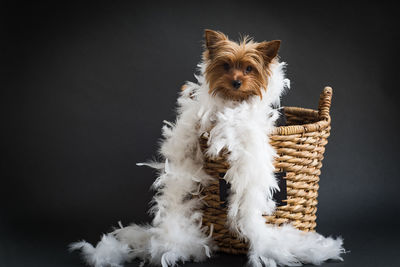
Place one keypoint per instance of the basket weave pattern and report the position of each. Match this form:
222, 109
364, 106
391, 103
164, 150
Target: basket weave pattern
300, 147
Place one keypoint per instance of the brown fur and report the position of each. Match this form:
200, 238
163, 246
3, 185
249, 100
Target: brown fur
227, 61
183, 87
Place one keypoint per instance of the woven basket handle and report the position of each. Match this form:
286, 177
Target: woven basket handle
325, 104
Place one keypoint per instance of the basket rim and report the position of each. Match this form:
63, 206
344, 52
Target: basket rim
319, 125
322, 115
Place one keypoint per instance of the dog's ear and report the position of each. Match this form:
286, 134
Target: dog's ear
212, 38
269, 50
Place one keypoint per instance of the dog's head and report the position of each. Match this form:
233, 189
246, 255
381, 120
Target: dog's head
237, 71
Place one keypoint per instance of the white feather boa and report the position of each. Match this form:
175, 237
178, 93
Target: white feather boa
176, 233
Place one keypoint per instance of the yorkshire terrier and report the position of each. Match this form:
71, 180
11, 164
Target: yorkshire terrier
234, 101
237, 71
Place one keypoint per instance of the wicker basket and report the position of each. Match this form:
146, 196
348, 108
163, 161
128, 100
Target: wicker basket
300, 146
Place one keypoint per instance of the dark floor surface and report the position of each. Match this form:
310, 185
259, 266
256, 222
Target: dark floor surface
45, 245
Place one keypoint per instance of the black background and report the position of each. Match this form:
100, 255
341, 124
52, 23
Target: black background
85, 87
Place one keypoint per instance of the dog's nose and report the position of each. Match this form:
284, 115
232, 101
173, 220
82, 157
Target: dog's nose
237, 83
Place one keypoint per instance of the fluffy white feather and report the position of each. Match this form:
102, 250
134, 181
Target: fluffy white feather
176, 233
108, 252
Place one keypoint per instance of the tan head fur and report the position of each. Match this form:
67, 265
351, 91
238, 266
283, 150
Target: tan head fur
237, 71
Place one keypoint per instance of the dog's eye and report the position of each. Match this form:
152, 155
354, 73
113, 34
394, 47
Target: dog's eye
248, 69
226, 66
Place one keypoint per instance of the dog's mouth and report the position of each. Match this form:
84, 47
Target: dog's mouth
234, 94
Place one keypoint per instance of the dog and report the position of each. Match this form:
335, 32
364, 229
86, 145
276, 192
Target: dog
235, 100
